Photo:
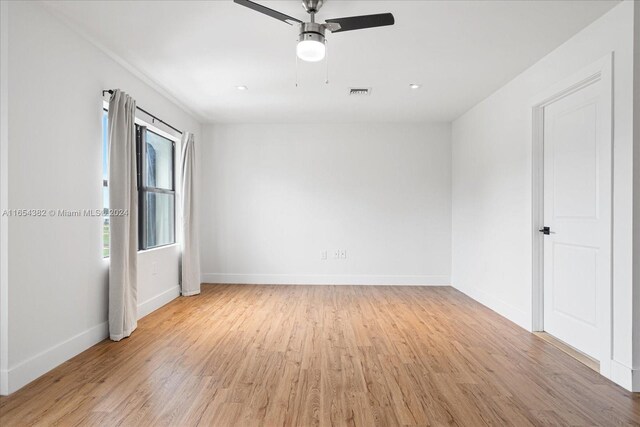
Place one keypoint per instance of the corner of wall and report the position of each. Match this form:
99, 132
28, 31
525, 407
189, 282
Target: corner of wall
51, 8
636, 196
4, 226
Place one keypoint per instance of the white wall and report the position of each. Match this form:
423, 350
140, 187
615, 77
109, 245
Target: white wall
4, 190
636, 193
492, 162
57, 276
275, 196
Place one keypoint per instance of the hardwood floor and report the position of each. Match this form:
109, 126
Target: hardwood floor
323, 355
566, 348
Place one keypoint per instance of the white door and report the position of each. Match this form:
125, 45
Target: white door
577, 210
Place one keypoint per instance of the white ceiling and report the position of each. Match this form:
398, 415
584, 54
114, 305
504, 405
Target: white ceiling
460, 51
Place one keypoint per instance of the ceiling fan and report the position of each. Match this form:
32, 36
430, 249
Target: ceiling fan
311, 42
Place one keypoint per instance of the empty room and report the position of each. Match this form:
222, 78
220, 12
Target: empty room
320, 213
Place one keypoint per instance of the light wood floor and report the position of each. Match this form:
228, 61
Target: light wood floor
323, 355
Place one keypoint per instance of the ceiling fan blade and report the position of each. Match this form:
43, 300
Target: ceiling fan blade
270, 12
361, 22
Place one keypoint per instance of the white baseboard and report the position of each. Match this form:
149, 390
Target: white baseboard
24, 372
625, 376
154, 303
38, 365
4, 382
514, 314
618, 373
326, 279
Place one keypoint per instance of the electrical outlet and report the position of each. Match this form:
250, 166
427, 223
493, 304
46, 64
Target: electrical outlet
323, 255
154, 268
343, 254
336, 254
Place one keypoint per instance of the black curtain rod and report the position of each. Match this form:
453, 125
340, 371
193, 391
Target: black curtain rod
109, 91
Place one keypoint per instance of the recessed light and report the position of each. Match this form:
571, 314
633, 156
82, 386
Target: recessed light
242, 88
415, 86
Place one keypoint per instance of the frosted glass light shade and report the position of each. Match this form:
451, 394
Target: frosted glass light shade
311, 50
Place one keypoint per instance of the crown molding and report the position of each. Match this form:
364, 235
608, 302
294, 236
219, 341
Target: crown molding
162, 90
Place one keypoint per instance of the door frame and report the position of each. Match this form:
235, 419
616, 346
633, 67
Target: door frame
599, 71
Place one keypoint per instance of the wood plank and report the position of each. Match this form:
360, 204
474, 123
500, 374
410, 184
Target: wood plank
250, 355
576, 354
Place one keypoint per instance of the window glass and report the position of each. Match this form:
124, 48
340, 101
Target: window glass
156, 187
105, 184
156, 208
159, 160
159, 219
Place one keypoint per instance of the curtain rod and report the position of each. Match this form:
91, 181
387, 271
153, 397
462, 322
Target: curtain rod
147, 113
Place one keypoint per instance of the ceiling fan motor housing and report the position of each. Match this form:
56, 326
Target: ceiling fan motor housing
311, 41
312, 31
312, 6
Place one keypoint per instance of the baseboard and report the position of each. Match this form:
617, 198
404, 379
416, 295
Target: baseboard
38, 365
154, 303
22, 374
514, 314
620, 374
325, 279
625, 376
4, 382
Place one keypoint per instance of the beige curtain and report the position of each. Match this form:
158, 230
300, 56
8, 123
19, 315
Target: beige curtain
190, 245
123, 229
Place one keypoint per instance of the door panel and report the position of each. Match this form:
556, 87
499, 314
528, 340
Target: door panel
570, 281
577, 204
575, 162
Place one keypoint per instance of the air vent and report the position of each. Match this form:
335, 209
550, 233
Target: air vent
360, 91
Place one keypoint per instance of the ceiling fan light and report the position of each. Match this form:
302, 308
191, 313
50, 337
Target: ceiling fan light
311, 50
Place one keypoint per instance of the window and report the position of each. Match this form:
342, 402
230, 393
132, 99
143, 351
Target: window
105, 185
156, 189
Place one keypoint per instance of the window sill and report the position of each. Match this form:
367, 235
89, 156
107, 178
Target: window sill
157, 248
144, 251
